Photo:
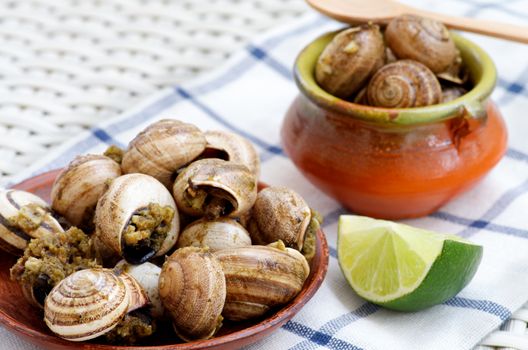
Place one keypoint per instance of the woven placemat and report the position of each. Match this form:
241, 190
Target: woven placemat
66, 65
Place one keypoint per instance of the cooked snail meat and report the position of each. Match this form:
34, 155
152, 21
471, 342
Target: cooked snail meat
49, 259
137, 218
214, 188
23, 216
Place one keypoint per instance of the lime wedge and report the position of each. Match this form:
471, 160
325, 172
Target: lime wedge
402, 267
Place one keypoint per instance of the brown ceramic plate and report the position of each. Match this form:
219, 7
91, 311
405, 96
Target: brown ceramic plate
26, 321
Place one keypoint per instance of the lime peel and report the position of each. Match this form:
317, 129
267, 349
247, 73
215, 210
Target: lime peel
402, 267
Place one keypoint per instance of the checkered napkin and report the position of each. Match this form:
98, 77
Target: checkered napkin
250, 96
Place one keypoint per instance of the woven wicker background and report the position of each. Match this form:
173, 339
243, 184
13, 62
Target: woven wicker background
68, 64
65, 65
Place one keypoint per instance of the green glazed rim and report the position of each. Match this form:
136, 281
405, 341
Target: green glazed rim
481, 69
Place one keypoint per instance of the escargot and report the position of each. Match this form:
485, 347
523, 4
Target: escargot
259, 278
78, 187
403, 84
215, 234
162, 149
90, 303
23, 216
147, 276
282, 214
350, 59
214, 188
137, 218
423, 40
50, 258
232, 147
192, 288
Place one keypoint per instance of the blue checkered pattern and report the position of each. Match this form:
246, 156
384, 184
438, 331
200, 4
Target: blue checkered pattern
494, 218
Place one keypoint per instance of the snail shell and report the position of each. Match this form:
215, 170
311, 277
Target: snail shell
147, 276
20, 206
77, 189
86, 304
451, 93
421, 39
350, 59
259, 278
217, 234
279, 213
214, 188
124, 201
404, 84
163, 148
232, 147
455, 73
193, 290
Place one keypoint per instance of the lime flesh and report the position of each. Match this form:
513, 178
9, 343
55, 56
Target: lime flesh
402, 267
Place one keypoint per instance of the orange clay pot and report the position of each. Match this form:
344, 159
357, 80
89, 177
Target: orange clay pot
394, 163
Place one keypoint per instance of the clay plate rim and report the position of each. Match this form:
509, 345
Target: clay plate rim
43, 183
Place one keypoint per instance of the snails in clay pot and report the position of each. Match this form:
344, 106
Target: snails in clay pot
259, 278
404, 84
214, 188
50, 258
192, 288
91, 303
282, 214
23, 216
232, 147
78, 187
215, 234
421, 39
137, 218
162, 149
350, 59
147, 276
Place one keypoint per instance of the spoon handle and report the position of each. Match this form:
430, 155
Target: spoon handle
492, 28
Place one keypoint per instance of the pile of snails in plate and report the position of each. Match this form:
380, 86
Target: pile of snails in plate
170, 230
413, 63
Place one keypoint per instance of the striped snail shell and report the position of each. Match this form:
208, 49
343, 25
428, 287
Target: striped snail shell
214, 188
124, 214
215, 234
259, 278
232, 147
163, 148
193, 289
404, 84
78, 187
147, 276
23, 216
350, 59
87, 304
279, 213
421, 39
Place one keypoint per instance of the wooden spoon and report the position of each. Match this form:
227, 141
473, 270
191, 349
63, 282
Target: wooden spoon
382, 11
